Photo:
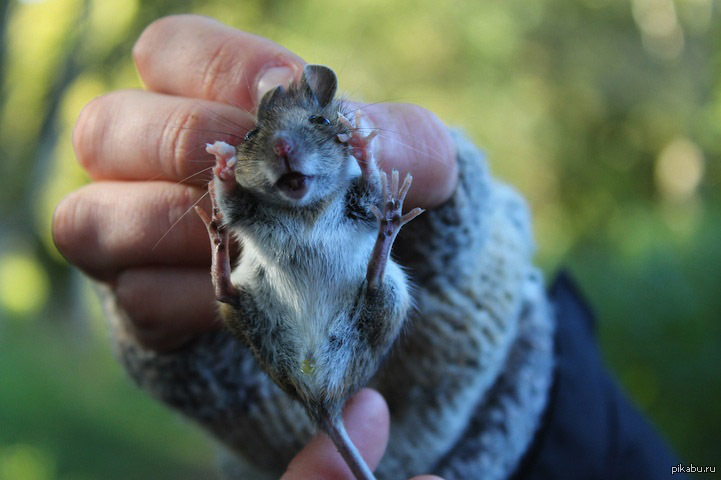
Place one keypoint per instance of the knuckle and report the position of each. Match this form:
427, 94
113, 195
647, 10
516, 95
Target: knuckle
75, 234
134, 302
222, 59
64, 224
178, 208
149, 326
88, 129
180, 139
142, 50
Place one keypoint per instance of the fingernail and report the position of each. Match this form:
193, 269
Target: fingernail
273, 77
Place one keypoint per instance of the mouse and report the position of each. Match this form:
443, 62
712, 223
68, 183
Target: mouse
315, 294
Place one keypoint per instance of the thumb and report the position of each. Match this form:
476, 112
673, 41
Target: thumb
412, 139
366, 420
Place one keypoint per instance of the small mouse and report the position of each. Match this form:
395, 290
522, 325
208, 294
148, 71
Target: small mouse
315, 294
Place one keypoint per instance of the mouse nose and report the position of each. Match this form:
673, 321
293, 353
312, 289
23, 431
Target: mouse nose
282, 146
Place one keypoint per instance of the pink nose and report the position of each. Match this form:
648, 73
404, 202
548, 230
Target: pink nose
282, 147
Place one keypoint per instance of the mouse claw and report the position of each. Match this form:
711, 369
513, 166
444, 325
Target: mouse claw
225, 160
360, 146
405, 187
394, 183
411, 215
371, 136
346, 123
376, 212
384, 187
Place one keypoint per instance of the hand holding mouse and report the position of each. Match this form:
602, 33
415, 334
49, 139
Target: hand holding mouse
144, 151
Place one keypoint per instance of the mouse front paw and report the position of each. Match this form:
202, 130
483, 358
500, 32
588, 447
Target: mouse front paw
360, 146
391, 219
225, 160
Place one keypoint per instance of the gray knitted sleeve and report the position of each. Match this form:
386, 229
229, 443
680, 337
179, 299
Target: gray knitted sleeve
470, 262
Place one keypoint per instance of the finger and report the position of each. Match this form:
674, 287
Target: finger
413, 140
366, 419
138, 135
109, 226
167, 306
196, 56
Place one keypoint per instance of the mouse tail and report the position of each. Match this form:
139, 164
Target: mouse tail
336, 431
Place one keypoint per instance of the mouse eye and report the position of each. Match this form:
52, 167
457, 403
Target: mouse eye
319, 120
251, 133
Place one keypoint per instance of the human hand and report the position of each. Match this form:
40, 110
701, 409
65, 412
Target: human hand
366, 419
144, 151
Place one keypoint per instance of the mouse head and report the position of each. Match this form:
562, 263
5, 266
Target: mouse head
293, 155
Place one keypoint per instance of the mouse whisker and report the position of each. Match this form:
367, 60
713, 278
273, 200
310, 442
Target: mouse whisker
388, 100
219, 132
361, 34
178, 220
154, 178
346, 100
232, 102
434, 154
406, 134
253, 111
231, 123
160, 175
430, 154
199, 172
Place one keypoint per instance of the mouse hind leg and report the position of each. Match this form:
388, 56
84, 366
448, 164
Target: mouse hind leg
225, 291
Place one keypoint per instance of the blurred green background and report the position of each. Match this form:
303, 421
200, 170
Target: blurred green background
605, 114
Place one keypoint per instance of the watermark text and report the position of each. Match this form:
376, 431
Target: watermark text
691, 468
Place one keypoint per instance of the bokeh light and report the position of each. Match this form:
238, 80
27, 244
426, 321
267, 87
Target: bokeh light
24, 284
25, 462
679, 169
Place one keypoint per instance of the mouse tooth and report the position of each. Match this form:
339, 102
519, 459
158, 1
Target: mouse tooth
343, 137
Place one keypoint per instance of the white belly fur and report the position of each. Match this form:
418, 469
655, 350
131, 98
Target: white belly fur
317, 296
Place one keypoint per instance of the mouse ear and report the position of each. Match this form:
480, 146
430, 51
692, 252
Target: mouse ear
321, 82
270, 97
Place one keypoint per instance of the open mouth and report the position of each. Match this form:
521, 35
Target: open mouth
294, 185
